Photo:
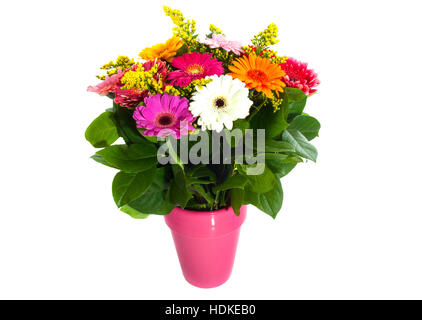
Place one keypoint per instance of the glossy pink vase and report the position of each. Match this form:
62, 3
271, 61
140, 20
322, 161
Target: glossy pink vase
206, 243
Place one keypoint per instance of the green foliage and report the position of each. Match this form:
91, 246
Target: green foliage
273, 122
133, 212
179, 193
296, 101
143, 186
237, 181
155, 199
307, 125
269, 202
302, 146
237, 199
132, 158
102, 132
127, 186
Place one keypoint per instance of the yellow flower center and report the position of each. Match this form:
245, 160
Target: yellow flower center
195, 69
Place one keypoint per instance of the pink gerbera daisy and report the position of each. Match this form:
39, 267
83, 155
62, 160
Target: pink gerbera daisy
131, 98
299, 76
108, 85
163, 115
194, 66
219, 41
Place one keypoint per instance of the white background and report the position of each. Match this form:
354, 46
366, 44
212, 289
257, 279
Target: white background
351, 224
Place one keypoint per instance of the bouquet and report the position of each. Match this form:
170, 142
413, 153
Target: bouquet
206, 122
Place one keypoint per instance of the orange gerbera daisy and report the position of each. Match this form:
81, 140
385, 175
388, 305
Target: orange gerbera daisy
165, 51
258, 73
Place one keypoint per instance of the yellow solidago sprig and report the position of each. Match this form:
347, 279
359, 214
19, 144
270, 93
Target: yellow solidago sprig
193, 86
215, 30
150, 80
266, 38
163, 51
276, 102
267, 53
122, 63
184, 29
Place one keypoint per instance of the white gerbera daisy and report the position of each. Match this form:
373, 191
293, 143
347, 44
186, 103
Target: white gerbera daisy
220, 102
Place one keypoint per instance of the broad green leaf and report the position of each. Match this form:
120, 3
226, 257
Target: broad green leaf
202, 172
155, 199
241, 124
132, 158
260, 183
307, 125
197, 175
301, 144
133, 212
178, 192
296, 101
273, 122
202, 192
126, 125
127, 187
278, 146
102, 132
269, 202
236, 199
151, 139
279, 167
238, 181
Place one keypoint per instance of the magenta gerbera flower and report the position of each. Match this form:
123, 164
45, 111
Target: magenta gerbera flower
194, 66
299, 76
163, 115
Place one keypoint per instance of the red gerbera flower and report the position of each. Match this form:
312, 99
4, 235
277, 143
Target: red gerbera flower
299, 76
194, 66
129, 98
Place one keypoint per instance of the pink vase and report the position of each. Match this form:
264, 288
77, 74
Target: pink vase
206, 243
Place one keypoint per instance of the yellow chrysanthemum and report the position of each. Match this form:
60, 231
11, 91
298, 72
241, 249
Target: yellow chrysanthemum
164, 51
259, 74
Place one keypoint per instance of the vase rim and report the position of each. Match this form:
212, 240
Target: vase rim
213, 212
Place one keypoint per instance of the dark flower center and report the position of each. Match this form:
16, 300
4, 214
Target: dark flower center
165, 120
257, 75
220, 102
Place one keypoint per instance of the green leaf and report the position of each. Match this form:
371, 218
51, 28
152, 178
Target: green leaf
236, 199
102, 132
133, 212
269, 202
155, 199
126, 125
178, 192
296, 100
301, 144
201, 172
273, 122
196, 175
279, 167
260, 183
238, 181
241, 124
132, 158
307, 125
278, 146
129, 186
